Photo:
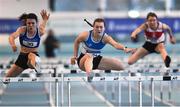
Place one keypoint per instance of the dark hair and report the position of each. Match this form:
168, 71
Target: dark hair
99, 20
151, 14
32, 16
23, 16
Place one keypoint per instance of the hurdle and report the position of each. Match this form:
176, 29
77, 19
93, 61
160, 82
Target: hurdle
57, 69
139, 79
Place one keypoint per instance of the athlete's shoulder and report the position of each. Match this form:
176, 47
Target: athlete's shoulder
164, 25
21, 29
105, 34
85, 33
143, 26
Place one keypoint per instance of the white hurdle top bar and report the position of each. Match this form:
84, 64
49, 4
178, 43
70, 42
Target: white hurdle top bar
80, 79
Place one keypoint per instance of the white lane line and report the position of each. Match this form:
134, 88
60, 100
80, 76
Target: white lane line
100, 96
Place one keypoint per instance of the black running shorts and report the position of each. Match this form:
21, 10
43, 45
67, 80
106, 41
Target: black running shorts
96, 60
23, 59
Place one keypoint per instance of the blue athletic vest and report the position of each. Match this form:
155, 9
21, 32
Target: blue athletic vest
30, 42
92, 46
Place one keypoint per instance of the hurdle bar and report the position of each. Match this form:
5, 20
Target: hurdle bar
155, 69
74, 79
134, 70
60, 70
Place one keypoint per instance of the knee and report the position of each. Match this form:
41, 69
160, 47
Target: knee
122, 68
81, 67
88, 55
130, 62
30, 55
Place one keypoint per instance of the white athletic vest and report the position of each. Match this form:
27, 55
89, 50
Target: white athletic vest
155, 36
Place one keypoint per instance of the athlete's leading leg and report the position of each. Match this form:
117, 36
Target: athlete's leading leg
31, 60
86, 63
161, 48
34, 62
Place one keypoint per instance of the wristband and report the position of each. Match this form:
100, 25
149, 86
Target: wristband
124, 48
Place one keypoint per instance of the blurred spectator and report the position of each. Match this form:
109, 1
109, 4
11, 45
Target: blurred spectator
51, 43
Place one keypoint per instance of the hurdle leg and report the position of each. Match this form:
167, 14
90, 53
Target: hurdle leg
69, 93
140, 93
56, 93
129, 92
113, 91
119, 83
161, 90
105, 88
152, 92
62, 88
170, 90
56, 88
48, 88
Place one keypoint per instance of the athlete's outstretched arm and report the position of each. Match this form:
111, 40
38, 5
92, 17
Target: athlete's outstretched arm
81, 37
172, 38
45, 17
138, 30
119, 46
13, 36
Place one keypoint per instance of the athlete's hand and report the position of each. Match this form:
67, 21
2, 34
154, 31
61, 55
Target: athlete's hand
73, 60
173, 40
130, 50
14, 48
127, 50
133, 37
133, 50
44, 15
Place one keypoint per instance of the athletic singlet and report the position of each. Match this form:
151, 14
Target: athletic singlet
155, 36
91, 46
30, 42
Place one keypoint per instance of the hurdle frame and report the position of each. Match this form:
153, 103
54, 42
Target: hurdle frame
63, 79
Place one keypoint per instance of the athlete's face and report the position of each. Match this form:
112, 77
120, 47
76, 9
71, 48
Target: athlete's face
152, 21
99, 28
31, 24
